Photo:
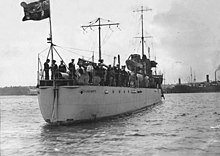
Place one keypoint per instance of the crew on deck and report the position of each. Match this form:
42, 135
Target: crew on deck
124, 77
54, 70
72, 69
100, 74
90, 71
46, 69
62, 67
117, 75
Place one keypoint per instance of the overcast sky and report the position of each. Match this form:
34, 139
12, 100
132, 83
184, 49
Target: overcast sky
186, 33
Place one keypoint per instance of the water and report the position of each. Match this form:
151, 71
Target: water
185, 124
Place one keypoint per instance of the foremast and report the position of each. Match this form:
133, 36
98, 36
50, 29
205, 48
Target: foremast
98, 24
142, 66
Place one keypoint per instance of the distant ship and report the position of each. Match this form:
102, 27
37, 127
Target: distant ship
196, 87
64, 100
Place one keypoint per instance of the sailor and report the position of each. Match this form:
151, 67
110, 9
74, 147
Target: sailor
128, 79
112, 76
101, 72
107, 82
54, 70
80, 70
62, 67
117, 75
148, 68
144, 62
124, 76
46, 69
90, 70
72, 69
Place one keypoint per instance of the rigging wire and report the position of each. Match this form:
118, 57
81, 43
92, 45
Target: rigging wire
106, 22
43, 50
138, 47
64, 48
48, 53
107, 36
76, 49
136, 42
93, 21
153, 49
108, 55
93, 42
71, 51
40, 63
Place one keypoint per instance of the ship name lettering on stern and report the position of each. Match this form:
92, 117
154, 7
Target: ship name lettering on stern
89, 91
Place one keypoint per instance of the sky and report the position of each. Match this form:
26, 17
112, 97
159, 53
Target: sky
185, 35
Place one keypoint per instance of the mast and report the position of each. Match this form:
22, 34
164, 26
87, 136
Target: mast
99, 25
164, 78
191, 75
50, 39
194, 76
93, 56
100, 54
38, 68
142, 34
142, 27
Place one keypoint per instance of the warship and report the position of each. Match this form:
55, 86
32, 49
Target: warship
69, 97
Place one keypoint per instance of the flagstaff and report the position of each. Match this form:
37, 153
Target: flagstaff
50, 39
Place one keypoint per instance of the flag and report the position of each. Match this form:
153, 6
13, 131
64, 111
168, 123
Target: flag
36, 11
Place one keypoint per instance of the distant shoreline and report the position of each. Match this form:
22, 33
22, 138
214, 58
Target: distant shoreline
18, 91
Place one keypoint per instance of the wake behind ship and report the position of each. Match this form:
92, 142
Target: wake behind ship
95, 90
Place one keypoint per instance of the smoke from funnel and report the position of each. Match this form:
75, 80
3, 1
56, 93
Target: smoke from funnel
216, 72
218, 68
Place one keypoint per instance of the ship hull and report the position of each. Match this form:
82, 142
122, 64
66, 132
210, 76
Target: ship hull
66, 104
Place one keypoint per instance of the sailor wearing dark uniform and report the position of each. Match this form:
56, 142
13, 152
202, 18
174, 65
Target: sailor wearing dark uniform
54, 70
62, 67
80, 70
46, 69
101, 72
72, 69
124, 76
118, 76
112, 76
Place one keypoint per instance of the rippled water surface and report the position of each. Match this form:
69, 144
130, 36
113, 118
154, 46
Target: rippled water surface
184, 124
